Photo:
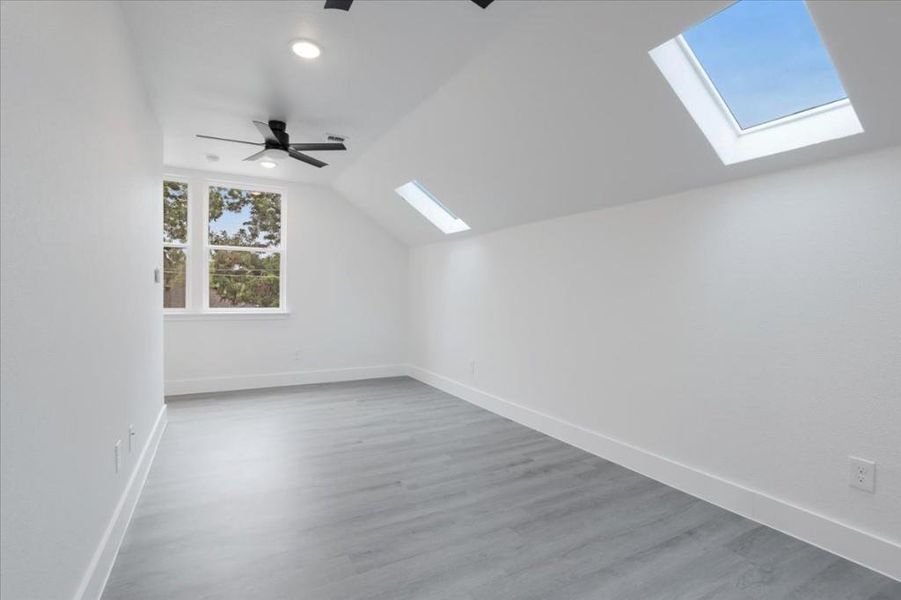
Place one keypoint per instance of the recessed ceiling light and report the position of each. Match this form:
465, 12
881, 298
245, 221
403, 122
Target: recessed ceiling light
305, 49
268, 164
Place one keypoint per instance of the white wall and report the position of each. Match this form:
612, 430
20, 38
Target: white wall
347, 297
750, 331
82, 330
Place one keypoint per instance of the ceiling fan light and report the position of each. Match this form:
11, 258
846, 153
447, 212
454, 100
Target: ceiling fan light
268, 164
272, 154
305, 49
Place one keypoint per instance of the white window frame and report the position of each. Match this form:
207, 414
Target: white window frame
185, 247
197, 253
281, 249
690, 82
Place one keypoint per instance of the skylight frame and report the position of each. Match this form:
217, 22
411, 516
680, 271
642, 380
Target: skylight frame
427, 205
786, 26
691, 83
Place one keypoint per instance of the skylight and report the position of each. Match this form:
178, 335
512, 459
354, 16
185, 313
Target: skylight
429, 207
766, 60
757, 80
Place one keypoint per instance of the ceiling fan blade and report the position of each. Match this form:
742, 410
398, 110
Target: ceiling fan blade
307, 159
267, 133
483, 3
210, 137
339, 4
314, 146
255, 156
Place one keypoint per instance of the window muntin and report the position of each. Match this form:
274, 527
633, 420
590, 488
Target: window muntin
175, 244
766, 60
244, 245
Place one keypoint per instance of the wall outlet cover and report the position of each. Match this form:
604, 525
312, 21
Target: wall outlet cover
862, 474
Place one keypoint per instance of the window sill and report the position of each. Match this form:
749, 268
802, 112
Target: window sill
236, 315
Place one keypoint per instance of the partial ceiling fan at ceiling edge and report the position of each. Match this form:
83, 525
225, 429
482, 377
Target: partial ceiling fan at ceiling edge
277, 144
345, 4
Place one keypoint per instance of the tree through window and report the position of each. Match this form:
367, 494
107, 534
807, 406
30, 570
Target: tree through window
175, 243
244, 239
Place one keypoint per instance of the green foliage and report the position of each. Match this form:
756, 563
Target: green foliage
244, 279
237, 278
262, 229
175, 212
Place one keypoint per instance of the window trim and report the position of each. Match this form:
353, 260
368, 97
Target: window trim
281, 249
185, 247
197, 250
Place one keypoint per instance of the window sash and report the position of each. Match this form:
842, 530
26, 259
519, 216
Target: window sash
198, 249
183, 246
207, 248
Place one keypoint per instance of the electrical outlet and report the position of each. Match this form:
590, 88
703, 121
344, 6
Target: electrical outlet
117, 450
472, 367
156, 275
131, 438
863, 474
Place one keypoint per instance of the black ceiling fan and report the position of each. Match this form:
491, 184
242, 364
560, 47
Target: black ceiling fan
277, 144
345, 4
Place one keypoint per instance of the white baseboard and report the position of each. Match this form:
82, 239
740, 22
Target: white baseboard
861, 547
101, 564
248, 382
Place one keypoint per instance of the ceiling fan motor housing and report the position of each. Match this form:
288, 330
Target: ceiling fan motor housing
278, 128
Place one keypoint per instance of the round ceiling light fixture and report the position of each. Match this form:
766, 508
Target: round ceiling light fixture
268, 164
305, 49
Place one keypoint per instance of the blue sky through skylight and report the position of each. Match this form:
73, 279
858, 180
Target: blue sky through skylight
766, 59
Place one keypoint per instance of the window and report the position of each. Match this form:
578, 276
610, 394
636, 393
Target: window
429, 207
766, 60
245, 248
239, 265
175, 244
758, 80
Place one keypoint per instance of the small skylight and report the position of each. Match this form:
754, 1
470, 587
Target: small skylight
429, 207
757, 80
766, 60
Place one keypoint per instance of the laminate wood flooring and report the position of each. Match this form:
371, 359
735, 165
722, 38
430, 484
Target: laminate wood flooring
391, 489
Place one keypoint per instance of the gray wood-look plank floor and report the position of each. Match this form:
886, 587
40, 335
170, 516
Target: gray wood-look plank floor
390, 489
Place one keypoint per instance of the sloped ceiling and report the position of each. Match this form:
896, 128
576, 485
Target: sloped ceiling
213, 67
525, 111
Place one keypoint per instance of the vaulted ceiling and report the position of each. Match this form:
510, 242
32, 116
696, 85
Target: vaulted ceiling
524, 111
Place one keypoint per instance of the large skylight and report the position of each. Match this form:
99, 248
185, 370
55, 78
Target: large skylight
766, 60
429, 207
757, 80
